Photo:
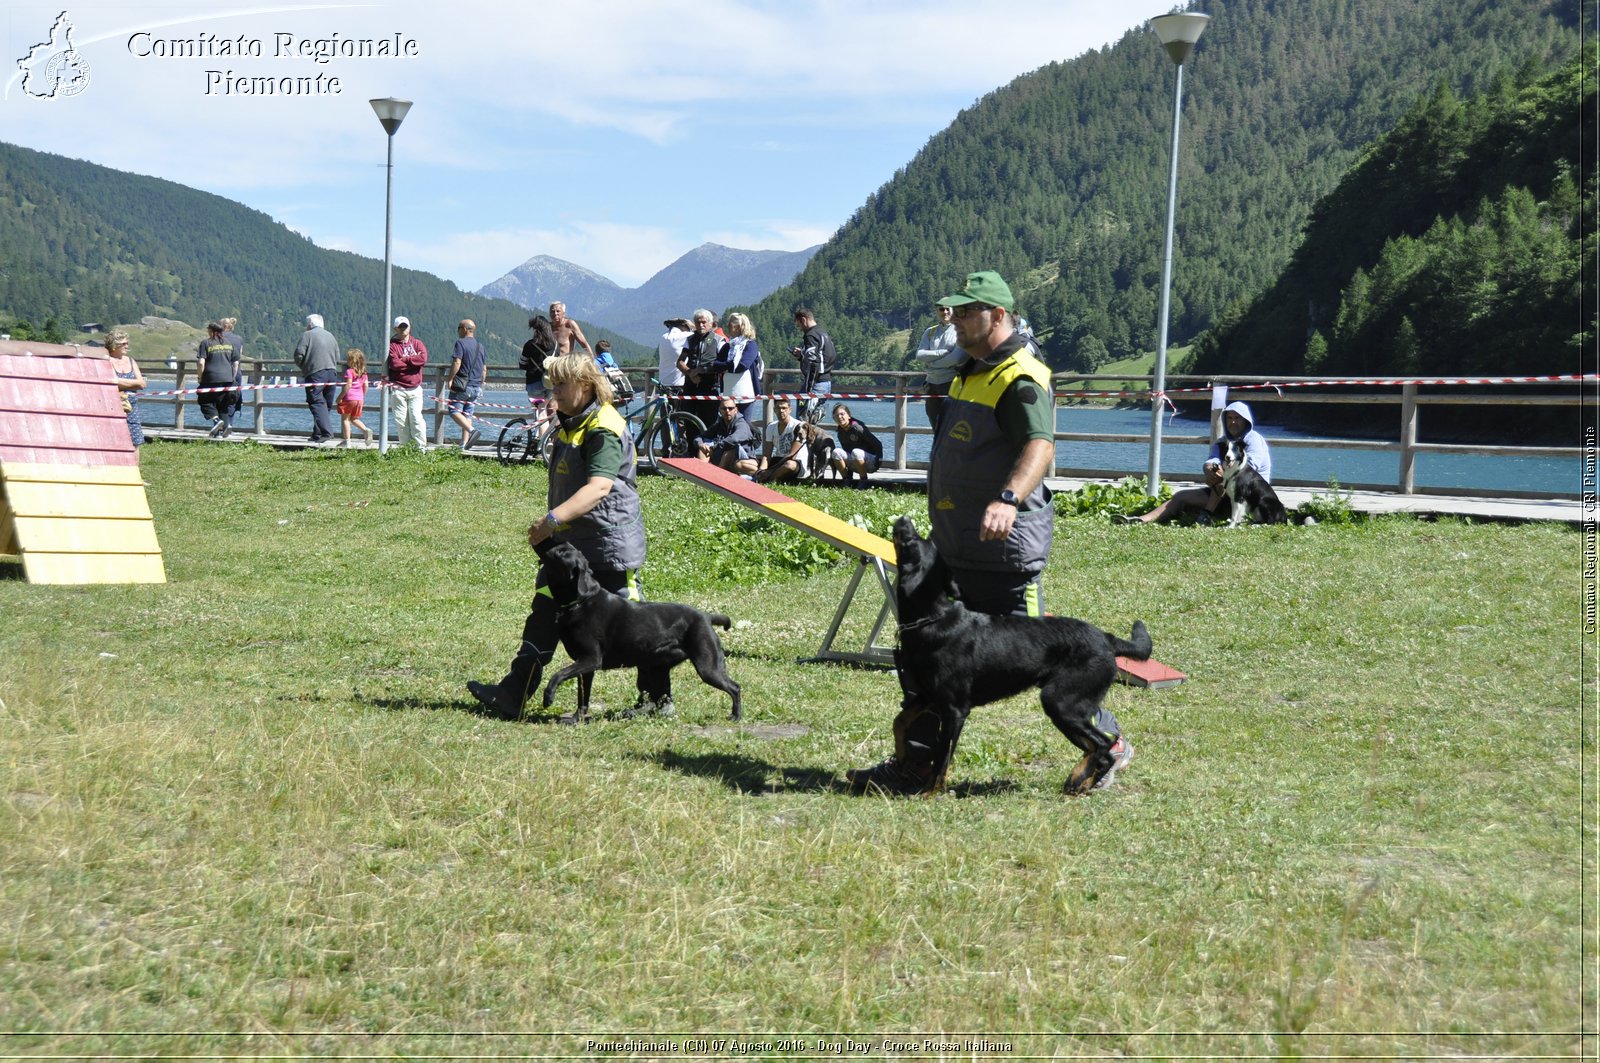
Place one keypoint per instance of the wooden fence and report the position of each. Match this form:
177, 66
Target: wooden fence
904, 388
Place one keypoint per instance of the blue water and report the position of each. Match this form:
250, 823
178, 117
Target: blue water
1181, 461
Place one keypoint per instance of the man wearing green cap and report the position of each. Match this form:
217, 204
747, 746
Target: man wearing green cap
991, 515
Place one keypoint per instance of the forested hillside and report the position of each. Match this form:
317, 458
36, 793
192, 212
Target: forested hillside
1454, 246
80, 242
1058, 180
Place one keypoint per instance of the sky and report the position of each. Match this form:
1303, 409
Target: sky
614, 134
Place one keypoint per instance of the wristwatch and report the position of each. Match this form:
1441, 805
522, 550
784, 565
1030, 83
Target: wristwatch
1009, 497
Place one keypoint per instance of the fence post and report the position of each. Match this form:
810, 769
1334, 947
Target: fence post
258, 415
901, 403
1408, 438
439, 406
177, 400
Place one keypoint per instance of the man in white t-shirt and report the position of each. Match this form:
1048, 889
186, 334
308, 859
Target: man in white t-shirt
783, 454
669, 350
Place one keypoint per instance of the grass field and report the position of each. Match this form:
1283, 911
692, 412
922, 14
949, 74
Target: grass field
249, 812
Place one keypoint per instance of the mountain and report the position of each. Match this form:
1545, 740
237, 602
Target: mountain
543, 280
710, 276
1059, 179
81, 242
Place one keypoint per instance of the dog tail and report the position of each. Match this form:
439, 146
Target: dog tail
721, 621
1139, 649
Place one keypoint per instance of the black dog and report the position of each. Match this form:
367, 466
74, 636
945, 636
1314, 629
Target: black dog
952, 659
1249, 495
602, 631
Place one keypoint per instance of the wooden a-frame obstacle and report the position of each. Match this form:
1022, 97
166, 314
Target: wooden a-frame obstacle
872, 552
72, 502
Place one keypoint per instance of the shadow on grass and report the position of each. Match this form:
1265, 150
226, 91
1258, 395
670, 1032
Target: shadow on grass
750, 775
746, 774
472, 708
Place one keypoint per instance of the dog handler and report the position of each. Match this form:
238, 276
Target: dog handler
593, 504
1238, 425
991, 515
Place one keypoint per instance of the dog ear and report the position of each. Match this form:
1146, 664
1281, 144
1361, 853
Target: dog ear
588, 586
542, 551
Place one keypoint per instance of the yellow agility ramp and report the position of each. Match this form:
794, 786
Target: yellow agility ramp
872, 552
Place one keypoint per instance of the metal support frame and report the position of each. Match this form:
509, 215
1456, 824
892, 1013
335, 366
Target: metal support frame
871, 653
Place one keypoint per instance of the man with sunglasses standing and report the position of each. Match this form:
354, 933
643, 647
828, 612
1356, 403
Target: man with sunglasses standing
990, 512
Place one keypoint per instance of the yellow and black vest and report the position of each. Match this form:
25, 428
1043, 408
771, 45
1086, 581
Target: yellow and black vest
611, 535
968, 468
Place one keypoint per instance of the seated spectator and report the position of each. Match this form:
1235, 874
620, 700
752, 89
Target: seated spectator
602, 355
1238, 424
729, 440
859, 451
784, 453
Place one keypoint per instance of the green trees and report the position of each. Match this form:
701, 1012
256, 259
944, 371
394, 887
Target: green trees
1453, 247
1058, 180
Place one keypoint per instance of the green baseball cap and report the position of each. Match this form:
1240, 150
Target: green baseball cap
985, 287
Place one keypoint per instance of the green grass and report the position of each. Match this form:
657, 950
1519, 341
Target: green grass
249, 812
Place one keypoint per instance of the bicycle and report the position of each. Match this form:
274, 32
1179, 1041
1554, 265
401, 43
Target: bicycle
523, 437
662, 431
659, 431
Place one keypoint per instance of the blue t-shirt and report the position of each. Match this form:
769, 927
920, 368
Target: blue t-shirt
472, 356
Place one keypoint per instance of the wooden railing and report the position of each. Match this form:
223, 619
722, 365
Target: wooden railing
904, 388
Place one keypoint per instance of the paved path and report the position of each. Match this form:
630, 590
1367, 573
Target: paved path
1569, 510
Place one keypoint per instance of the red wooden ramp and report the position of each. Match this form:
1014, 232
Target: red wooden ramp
872, 551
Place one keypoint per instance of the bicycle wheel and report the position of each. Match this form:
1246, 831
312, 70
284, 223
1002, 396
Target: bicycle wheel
547, 444
673, 437
516, 441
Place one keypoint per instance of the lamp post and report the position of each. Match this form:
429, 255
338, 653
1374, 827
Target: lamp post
391, 112
1178, 34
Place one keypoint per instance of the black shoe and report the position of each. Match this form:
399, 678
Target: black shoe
470, 441
490, 698
894, 778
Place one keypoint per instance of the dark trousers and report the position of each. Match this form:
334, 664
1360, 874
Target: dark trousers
322, 397
215, 404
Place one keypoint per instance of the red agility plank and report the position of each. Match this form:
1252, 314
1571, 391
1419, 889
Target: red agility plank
67, 397
81, 432
29, 367
727, 482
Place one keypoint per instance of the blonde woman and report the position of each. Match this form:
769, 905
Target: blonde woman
740, 359
129, 381
593, 504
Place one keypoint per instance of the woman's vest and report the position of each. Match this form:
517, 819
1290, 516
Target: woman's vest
968, 468
611, 535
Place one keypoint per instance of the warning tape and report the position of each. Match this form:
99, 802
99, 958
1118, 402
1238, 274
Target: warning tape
1140, 393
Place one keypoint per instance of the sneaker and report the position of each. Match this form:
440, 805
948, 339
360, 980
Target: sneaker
489, 697
217, 426
470, 441
227, 429
893, 778
1126, 518
1121, 754
642, 707
665, 709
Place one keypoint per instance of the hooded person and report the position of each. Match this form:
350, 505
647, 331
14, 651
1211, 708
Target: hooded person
1238, 426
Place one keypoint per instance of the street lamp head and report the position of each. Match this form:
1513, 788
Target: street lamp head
391, 112
1178, 33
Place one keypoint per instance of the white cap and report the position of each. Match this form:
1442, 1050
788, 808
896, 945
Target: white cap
402, 321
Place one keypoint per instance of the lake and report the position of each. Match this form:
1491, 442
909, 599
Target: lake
1483, 472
